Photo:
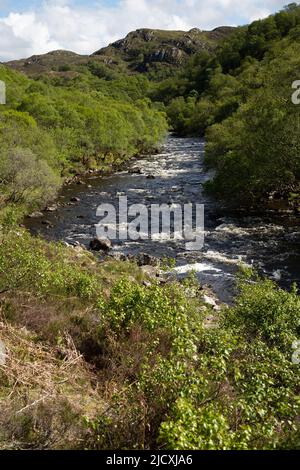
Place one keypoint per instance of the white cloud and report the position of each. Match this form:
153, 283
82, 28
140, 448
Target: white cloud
59, 24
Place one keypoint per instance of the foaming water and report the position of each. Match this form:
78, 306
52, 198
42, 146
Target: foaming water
176, 176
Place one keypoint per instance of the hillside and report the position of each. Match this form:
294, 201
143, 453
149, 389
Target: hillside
147, 50
54, 62
144, 50
240, 100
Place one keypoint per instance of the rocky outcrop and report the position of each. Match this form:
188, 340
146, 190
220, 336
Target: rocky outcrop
100, 245
143, 47
139, 50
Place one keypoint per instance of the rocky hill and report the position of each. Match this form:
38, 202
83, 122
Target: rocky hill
144, 50
53, 62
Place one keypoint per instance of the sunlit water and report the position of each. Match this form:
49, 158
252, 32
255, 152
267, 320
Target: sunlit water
271, 243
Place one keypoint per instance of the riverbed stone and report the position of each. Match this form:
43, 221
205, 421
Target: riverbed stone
149, 271
47, 223
52, 208
35, 215
100, 245
117, 256
135, 171
144, 259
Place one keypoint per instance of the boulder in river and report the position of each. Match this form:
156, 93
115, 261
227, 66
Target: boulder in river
75, 199
143, 259
52, 208
35, 215
47, 223
150, 177
100, 245
135, 171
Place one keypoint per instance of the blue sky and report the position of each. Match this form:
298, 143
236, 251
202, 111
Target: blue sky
30, 27
6, 6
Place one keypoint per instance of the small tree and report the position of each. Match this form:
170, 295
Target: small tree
26, 179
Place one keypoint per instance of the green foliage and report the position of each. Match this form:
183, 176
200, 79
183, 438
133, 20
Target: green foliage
233, 386
254, 402
67, 125
240, 99
167, 378
45, 270
26, 179
275, 319
256, 149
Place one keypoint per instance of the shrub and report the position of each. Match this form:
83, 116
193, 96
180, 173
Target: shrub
26, 179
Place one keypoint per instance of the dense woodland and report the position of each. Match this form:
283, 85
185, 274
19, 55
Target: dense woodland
240, 99
51, 129
98, 355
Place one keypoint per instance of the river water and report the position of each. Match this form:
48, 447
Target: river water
270, 242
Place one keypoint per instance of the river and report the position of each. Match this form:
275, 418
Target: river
270, 242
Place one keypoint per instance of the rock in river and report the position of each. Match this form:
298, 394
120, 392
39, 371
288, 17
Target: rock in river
100, 245
135, 171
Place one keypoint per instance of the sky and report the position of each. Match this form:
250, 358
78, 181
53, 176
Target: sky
29, 27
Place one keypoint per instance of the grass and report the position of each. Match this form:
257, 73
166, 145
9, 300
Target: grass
44, 392
49, 323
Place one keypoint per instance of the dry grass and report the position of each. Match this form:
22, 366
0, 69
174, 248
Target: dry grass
52, 319
47, 389
43, 395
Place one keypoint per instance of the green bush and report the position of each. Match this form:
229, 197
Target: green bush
233, 386
265, 312
26, 179
30, 264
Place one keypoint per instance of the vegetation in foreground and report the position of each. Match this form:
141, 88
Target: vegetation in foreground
99, 359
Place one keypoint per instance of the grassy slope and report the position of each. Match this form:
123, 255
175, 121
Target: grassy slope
98, 359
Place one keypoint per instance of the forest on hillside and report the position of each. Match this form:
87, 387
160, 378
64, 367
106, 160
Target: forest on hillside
51, 130
238, 95
240, 99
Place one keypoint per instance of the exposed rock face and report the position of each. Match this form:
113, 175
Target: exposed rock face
140, 50
143, 47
